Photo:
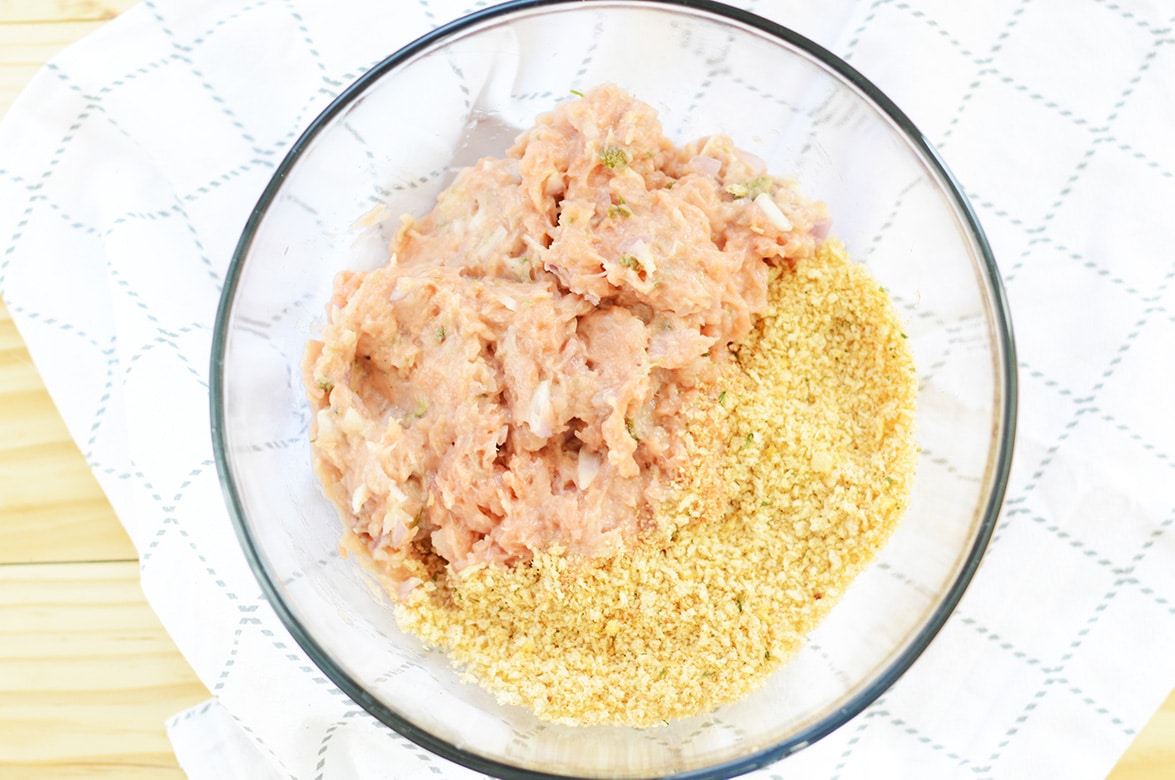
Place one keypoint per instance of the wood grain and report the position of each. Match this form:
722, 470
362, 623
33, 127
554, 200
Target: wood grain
51, 508
26, 47
56, 11
87, 674
32, 31
35, 43
1152, 754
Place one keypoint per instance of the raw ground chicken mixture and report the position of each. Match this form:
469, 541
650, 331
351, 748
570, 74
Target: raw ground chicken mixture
618, 422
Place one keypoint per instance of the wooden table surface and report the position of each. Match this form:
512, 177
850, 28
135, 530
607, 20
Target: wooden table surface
87, 674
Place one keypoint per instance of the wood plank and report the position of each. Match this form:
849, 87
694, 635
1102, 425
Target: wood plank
91, 772
51, 508
35, 43
129, 675
87, 673
1152, 754
32, 31
13, 79
25, 11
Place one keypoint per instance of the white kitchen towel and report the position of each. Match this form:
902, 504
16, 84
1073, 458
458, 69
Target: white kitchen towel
130, 164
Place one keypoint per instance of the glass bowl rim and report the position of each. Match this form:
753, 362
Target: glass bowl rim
1007, 400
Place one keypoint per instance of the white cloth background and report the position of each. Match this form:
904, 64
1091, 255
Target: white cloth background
129, 166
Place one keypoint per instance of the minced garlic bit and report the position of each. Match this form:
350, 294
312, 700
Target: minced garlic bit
805, 461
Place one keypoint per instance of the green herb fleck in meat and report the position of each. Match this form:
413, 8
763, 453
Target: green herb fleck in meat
751, 188
615, 157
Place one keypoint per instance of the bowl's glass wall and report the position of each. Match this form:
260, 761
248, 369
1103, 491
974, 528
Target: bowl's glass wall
393, 150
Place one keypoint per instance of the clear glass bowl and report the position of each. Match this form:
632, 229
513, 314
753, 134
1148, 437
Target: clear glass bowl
465, 90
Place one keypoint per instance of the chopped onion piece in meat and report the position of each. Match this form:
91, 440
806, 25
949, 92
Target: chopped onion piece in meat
541, 414
640, 250
587, 468
706, 165
772, 212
